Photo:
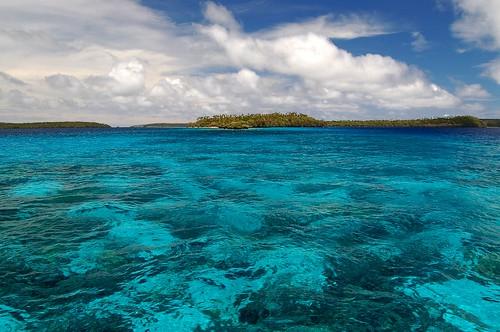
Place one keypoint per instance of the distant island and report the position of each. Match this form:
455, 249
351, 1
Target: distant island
301, 120
163, 125
52, 125
491, 122
247, 121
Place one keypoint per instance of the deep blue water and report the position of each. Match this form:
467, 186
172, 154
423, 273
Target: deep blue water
274, 229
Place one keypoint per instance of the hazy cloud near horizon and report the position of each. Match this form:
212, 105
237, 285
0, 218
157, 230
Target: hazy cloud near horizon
120, 62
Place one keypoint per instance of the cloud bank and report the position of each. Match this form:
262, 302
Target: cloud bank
120, 62
478, 24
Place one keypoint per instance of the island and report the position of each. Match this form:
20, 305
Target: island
52, 125
491, 122
274, 120
247, 121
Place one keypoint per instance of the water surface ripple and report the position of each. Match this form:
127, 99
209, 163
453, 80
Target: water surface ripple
257, 230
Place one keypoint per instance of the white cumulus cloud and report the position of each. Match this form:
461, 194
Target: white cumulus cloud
218, 14
128, 78
472, 92
248, 78
479, 24
370, 79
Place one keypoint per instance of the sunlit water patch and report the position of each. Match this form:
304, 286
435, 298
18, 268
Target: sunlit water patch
36, 188
275, 229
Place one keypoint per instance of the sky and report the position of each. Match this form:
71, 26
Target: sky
126, 62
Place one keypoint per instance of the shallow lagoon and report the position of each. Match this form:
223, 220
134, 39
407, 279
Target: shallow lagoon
273, 229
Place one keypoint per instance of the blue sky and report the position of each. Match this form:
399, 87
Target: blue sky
124, 61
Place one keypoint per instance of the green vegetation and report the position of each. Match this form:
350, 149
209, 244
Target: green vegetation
491, 122
302, 120
66, 124
457, 121
257, 121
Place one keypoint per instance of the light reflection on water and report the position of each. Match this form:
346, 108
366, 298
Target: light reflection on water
297, 229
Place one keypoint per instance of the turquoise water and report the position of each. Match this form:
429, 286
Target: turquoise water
274, 229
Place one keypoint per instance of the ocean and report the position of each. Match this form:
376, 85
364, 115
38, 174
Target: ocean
324, 229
